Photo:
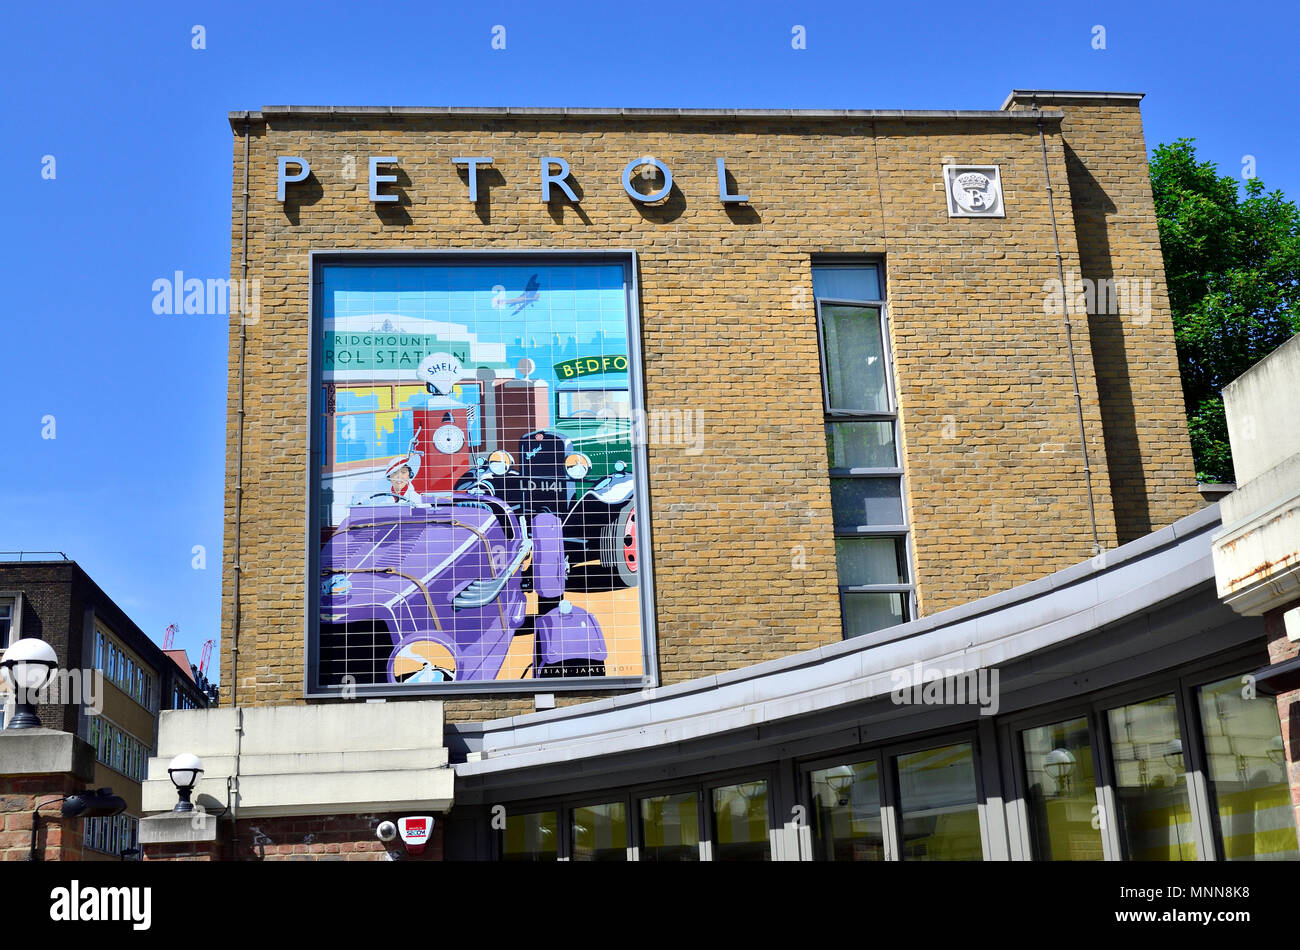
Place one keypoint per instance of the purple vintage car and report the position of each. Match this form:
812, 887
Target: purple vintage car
435, 593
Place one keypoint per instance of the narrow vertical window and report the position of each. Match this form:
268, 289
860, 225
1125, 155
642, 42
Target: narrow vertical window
1155, 816
866, 474
740, 822
1062, 792
1245, 752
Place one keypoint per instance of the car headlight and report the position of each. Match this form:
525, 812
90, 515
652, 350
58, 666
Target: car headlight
500, 462
577, 465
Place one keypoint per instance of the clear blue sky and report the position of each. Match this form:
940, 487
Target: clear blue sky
136, 121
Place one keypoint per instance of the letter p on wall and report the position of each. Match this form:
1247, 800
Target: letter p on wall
281, 178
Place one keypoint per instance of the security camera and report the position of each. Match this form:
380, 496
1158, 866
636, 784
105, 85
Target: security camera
386, 831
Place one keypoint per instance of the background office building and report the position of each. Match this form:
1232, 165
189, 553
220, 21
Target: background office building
46, 596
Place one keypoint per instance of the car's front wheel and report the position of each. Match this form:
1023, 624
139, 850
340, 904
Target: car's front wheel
618, 546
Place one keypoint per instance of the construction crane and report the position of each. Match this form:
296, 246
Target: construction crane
207, 655
169, 635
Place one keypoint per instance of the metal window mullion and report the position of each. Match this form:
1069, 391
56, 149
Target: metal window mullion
1014, 784
890, 814
1112, 844
1198, 793
865, 473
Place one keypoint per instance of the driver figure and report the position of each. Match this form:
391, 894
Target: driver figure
399, 476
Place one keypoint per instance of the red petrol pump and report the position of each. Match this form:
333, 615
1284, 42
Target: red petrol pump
441, 426
442, 442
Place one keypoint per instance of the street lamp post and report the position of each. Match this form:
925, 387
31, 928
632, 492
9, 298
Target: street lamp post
184, 771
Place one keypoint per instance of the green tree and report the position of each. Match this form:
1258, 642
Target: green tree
1232, 262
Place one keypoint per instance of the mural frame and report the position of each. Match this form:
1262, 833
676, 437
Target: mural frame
379, 257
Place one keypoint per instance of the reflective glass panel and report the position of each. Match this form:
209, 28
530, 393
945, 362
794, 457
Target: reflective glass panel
1061, 792
871, 561
855, 359
740, 823
600, 832
1248, 779
846, 813
937, 798
670, 828
847, 283
861, 445
531, 837
865, 502
1155, 818
867, 613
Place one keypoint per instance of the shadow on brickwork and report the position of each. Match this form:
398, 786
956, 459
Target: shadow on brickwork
1128, 484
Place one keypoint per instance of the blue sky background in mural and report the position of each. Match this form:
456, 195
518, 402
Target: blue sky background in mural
578, 310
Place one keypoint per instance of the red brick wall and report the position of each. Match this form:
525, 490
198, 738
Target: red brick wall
1288, 703
298, 838
59, 839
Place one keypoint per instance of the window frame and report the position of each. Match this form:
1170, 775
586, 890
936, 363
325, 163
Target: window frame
700, 786
891, 414
1183, 683
885, 754
874, 754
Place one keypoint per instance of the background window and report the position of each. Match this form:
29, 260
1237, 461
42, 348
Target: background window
1062, 792
940, 810
1155, 817
600, 832
740, 823
670, 828
531, 837
1247, 773
846, 813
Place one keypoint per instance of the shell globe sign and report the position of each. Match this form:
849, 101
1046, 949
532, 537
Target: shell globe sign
477, 512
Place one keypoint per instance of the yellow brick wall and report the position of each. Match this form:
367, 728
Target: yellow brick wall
1148, 450
743, 552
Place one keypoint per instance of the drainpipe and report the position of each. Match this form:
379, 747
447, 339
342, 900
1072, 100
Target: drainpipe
1069, 340
239, 435
233, 790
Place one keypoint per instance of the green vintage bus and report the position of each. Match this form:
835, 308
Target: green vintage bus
596, 416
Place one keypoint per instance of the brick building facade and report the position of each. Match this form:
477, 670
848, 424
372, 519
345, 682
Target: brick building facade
997, 493
976, 298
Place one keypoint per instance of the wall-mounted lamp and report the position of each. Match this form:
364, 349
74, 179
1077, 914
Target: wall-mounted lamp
92, 803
